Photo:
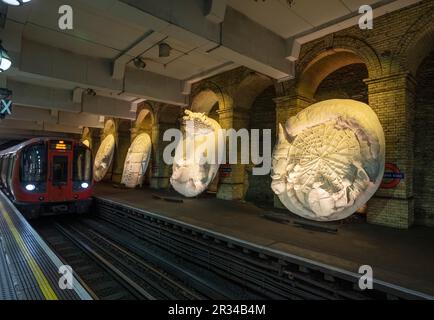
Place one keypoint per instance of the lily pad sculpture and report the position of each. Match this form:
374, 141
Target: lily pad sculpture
329, 160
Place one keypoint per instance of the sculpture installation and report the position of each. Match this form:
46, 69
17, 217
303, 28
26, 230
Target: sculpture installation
137, 160
329, 160
192, 172
104, 158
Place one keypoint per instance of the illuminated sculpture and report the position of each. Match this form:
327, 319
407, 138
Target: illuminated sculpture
104, 157
192, 173
137, 161
86, 143
329, 160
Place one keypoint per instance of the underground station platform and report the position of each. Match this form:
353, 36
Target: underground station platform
211, 245
29, 269
337, 251
216, 150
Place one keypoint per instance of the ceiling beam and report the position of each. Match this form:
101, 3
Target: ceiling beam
44, 103
251, 45
216, 10
96, 73
149, 40
294, 44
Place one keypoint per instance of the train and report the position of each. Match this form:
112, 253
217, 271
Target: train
46, 176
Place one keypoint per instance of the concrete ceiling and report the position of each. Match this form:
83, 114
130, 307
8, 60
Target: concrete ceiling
53, 69
303, 15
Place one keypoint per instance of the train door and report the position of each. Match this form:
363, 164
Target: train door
59, 187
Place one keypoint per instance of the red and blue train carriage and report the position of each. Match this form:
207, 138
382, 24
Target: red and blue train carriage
46, 176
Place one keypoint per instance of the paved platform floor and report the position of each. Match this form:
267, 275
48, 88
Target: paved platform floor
29, 269
401, 257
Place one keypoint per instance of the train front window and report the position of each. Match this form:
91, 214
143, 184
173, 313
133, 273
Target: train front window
82, 164
34, 164
60, 170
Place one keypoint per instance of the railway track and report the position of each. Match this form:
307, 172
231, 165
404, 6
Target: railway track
108, 270
98, 281
263, 272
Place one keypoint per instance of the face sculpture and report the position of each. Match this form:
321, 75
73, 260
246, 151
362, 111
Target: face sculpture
104, 158
192, 172
329, 160
137, 161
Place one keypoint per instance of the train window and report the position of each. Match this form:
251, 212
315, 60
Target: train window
1, 165
60, 170
82, 164
10, 171
34, 164
4, 170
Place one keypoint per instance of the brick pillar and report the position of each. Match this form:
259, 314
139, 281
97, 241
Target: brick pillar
160, 171
392, 98
232, 184
287, 107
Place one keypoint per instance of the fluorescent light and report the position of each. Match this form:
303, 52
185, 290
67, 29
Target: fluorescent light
16, 2
5, 60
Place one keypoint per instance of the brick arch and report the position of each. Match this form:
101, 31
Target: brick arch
249, 89
167, 114
207, 95
110, 127
145, 117
415, 45
326, 57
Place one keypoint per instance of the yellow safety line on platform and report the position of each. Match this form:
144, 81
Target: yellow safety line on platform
43, 283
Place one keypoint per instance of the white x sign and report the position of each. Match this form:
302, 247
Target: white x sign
6, 104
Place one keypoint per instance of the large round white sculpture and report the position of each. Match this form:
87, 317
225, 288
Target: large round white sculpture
192, 173
137, 161
104, 158
329, 160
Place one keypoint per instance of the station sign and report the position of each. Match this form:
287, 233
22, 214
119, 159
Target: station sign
225, 170
5, 103
392, 176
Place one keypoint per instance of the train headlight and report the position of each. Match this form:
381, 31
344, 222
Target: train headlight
30, 187
85, 185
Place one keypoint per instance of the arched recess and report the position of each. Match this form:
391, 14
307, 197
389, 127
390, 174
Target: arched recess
423, 182
209, 98
254, 108
138, 161
104, 157
249, 89
204, 101
330, 55
344, 83
321, 67
414, 46
86, 137
144, 121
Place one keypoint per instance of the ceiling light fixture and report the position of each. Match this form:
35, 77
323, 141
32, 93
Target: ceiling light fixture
15, 2
139, 63
290, 3
164, 50
5, 60
90, 92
